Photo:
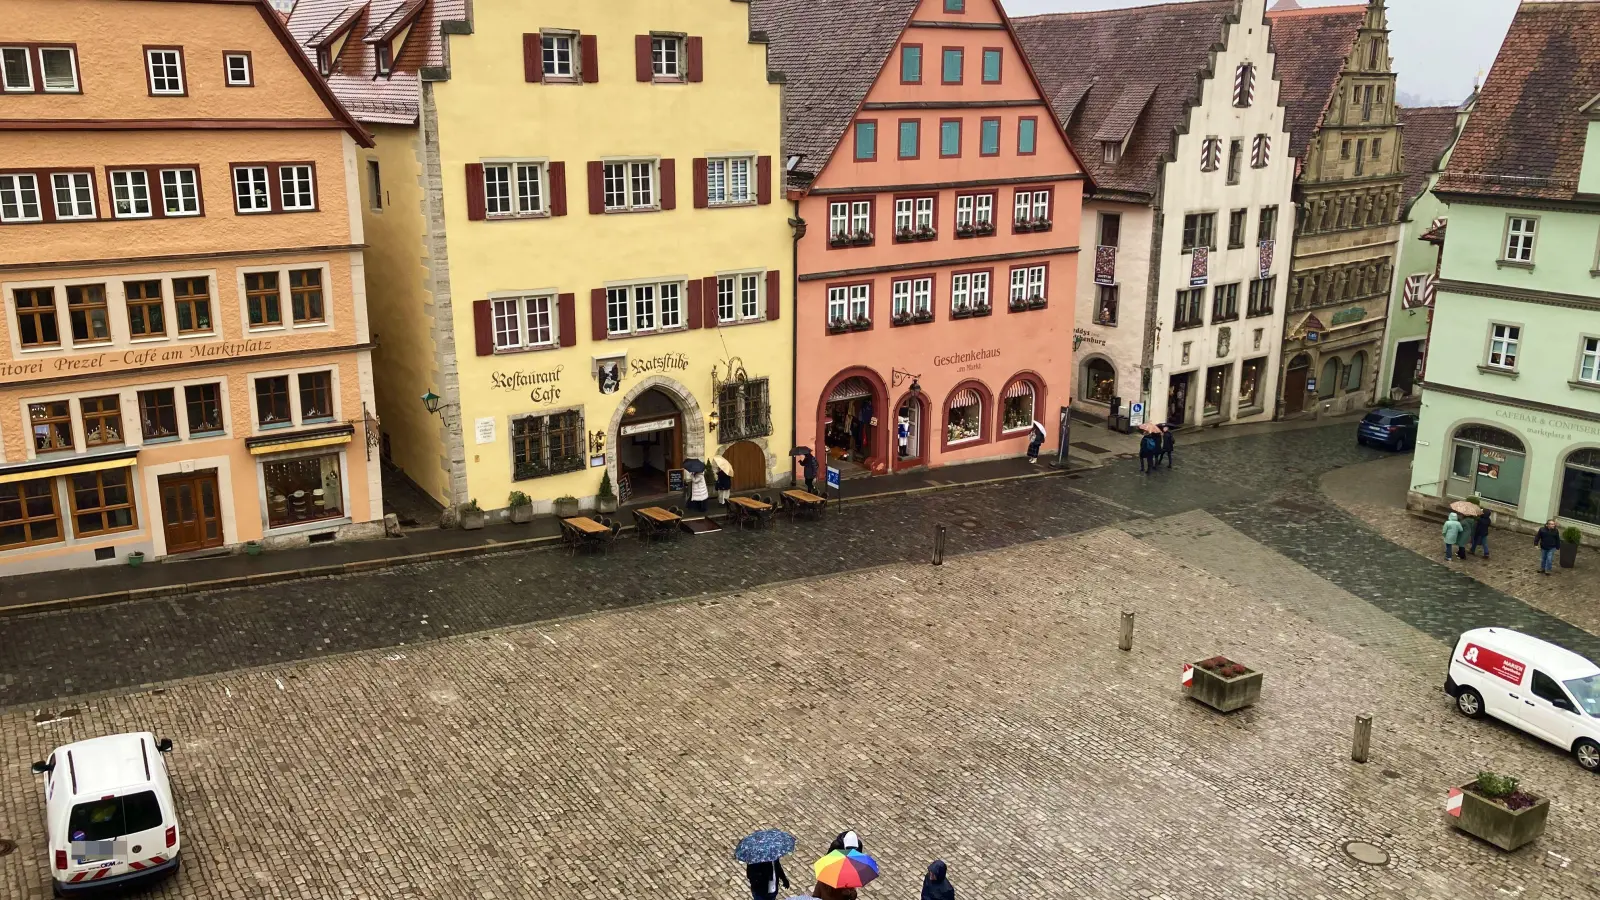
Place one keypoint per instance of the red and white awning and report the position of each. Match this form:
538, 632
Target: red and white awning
1020, 389
964, 397
853, 388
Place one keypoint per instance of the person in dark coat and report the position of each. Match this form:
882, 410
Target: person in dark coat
1149, 448
765, 878
1548, 540
1035, 441
724, 486
1480, 534
846, 841
829, 892
1166, 444
935, 886
808, 467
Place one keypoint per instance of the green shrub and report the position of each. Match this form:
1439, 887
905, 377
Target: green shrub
1572, 535
606, 493
518, 498
471, 506
1496, 786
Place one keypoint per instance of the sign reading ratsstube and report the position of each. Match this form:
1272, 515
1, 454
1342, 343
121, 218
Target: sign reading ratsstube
113, 360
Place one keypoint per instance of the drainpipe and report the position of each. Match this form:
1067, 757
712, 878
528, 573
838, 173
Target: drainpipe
799, 226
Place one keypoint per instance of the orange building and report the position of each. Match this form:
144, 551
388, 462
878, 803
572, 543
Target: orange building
940, 201
184, 354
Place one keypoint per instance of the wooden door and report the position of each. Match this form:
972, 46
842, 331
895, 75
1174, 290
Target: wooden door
1294, 390
749, 466
190, 513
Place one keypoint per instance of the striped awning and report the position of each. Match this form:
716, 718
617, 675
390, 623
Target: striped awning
1020, 389
72, 465
853, 388
964, 397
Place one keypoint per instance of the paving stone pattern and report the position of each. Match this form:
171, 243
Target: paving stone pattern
1264, 484
979, 712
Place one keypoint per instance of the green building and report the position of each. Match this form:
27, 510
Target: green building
1511, 394
1430, 132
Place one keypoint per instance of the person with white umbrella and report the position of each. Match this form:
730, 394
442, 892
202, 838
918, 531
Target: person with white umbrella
1035, 441
724, 478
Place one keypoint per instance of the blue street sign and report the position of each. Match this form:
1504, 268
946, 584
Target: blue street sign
833, 478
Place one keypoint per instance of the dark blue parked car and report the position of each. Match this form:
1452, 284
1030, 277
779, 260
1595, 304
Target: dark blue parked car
1394, 429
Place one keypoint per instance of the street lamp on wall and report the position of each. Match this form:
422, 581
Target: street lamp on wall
711, 421
898, 377
430, 401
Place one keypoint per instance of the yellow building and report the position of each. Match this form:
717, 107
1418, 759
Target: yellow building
576, 243
184, 352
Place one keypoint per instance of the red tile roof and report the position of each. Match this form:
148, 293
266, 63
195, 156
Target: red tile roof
823, 90
1311, 46
1107, 72
1426, 134
354, 77
1526, 135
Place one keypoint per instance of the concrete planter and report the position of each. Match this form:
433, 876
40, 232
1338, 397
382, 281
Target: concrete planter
606, 504
523, 514
1501, 826
566, 507
1567, 556
1224, 692
472, 519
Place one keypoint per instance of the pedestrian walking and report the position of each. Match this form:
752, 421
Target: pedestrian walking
1548, 540
724, 486
808, 467
1035, 441
1452, 535
845, 842
1166, 443
829, 892
1149, 449
1480, 534
765, 878
935, 886
697, 491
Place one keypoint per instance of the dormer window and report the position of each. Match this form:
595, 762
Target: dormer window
324, 61
1111, 152
385, 58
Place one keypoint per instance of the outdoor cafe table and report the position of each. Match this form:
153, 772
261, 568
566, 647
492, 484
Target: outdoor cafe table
654, 520
798, 501
751, 508
583, 530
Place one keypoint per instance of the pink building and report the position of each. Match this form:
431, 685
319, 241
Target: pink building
939, 262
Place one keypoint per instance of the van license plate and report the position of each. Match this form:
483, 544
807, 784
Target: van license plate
94, 851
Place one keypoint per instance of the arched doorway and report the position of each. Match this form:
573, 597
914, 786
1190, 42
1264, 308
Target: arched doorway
1294, 384
749, 465
1099, 380
910, 431
1487, 462
1328, 386
850, 423
656, 426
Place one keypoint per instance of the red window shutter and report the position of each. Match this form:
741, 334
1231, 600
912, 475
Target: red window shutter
642, 69
696, 303
763, 180
558, 189
701, 194
696, 53
483, 327
532, 58
709, 296
669, 184
597, 188
597, 314
475, 191
589, 58
774, 294
567, 318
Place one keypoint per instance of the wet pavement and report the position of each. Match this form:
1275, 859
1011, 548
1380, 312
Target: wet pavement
1264, 485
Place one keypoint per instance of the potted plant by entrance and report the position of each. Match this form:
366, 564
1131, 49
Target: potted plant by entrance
471, 516
135, 559
607, 498
252, 548
1571, 537
1495, 809
1224, 685
566, 507
520, 507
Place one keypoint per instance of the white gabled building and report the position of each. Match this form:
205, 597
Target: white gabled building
1176, 113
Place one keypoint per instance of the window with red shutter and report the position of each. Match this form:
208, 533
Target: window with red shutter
694, 49
557, 174
774, 295
532, 57
641, 57
597, 188
696, 303
567, 319
669, 184
700, 199
708, 296
764, 180
589, 58
475, 192
483, 327
597, 314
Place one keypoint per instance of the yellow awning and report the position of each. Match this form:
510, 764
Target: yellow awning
328, 441
68, 467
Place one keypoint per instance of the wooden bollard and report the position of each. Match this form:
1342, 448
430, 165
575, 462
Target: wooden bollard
938, 546
1362, 743
1125, 640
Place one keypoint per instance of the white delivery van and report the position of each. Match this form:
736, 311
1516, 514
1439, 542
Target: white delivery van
108, 812
1545, 690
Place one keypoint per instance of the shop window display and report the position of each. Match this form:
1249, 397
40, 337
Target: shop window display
302, 490
966, 417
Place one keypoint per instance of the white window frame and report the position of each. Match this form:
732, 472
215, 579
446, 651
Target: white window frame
1520, 241
525, 322
27, 70
1589, 358
912, 296
838, 304
1041, 206
646, 307
1505, 340
259, 189
550, 50
730, 180
667, 57
12, 194
751, 287
1025, 280
132, 181
152, 79
228, 60
79, 190
524, 197
839, 219
850, 302
72, 59
630, 173
974, 209
297, 181
187, 194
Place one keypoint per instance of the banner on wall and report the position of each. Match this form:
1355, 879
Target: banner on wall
1199, 266
1267, 250
1105, 265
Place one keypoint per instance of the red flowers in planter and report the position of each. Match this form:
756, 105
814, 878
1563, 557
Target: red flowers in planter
1224, 667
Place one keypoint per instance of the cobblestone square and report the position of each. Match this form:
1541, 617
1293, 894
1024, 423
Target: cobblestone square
977, 712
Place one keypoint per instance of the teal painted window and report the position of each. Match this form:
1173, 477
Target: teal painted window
950, 137
989, 138
955, 6
991, 66
911, 65
910, 138
1027, 135
866, 141
952, 65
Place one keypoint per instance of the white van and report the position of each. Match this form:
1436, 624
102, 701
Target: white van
109, 813
1540, 688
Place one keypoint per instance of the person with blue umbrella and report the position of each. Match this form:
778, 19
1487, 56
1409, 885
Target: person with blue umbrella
762, 853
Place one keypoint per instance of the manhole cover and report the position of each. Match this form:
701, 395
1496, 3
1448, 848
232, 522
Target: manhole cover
1390, 773
1366, 854
7, 847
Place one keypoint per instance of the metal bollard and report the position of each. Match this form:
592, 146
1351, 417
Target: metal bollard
1362, 743
938, 546
1125, 640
